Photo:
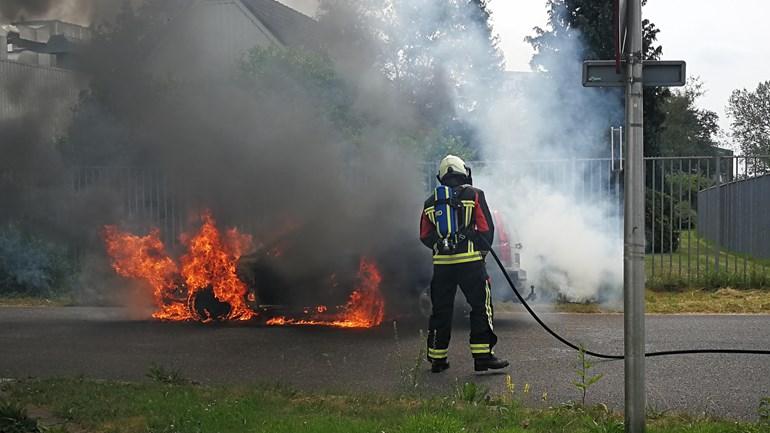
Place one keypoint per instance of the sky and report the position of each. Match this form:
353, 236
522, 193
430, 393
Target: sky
726, 44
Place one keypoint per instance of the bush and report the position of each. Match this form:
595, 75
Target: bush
764, 410
30, 266
668, 241
165, 376
14, 419
470, 392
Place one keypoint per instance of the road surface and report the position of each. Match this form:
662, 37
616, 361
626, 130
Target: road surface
108, 343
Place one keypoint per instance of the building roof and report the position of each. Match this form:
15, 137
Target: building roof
291, 27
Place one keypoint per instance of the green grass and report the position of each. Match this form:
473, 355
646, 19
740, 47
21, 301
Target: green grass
35, 301
693, 265
15, 419
722, 301
695, 301
90, 406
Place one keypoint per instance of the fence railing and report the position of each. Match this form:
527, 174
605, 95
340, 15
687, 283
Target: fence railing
589, 181
691, 234
142, 197
685, 241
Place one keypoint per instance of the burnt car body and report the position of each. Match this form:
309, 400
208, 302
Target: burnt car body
275, 281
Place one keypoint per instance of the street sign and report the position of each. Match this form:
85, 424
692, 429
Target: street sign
657, 73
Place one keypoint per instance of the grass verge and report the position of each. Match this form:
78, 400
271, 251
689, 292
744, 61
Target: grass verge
89, 406
694, 265
722, 301
34, 301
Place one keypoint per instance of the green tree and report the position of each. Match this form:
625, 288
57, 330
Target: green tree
307, 74
687, 129
588, 24
750, 119
441, 57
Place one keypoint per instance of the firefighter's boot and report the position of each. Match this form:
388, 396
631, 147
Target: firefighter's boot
490, 362
438, 365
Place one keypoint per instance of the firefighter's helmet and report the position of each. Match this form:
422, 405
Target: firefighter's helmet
452, 165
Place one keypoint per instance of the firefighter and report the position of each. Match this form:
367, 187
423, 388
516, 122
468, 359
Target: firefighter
454, 221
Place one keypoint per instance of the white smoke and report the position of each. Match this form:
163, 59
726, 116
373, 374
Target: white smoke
532, 127
567, 246
571, 238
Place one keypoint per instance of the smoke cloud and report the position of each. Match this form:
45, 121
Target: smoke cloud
566, 207
13, 9
270, 149
263, 145
83, 12
537, 128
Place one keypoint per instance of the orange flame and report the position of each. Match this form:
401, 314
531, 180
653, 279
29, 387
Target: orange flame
365, 307
209, 262
144, 257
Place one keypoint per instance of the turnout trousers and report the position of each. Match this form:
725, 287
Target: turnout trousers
474, 282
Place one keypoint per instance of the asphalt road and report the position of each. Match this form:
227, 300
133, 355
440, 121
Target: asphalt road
110, 344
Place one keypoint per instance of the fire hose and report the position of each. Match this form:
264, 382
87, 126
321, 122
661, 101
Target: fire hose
603, 355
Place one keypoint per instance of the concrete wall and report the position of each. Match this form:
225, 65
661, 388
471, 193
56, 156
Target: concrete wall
737, 215
29, 89
208, 39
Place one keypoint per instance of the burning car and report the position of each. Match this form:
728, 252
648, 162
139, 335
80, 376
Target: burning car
210, 281
225, 275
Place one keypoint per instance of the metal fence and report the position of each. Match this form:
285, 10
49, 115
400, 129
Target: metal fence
587, 181
687, 241
691, 230
142, 197
736, 216
692, 233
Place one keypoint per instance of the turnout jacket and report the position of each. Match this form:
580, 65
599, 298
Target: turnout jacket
476, 220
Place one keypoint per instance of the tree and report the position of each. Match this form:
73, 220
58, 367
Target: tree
573, 34
441, 57
586, 27
750, 114
108, 118
688, 130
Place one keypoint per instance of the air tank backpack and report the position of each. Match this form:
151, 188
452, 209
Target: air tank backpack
448, 216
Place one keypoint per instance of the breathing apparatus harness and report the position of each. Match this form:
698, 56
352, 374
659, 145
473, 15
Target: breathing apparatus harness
602, 355
450, 225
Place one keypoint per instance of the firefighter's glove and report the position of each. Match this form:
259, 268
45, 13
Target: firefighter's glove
475, 237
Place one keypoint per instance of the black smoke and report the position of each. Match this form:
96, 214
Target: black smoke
83, 12
311, 163
13, 10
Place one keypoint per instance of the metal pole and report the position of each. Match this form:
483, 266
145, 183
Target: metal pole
718, 237
633, 270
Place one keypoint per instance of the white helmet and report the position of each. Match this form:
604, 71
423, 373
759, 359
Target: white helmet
452, 164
